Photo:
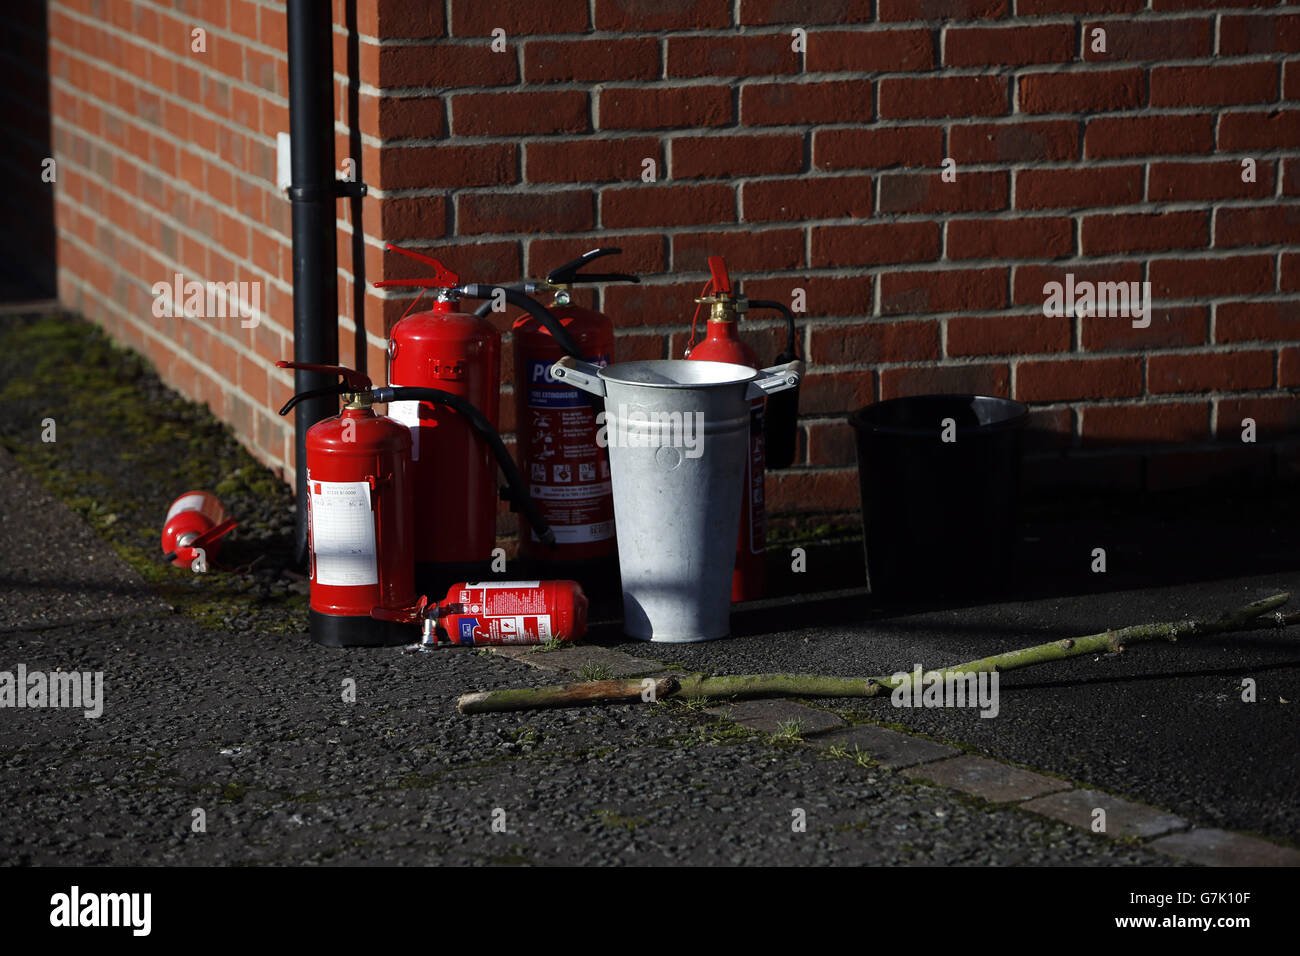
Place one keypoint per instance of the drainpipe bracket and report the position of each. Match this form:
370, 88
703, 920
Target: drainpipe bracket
341, 188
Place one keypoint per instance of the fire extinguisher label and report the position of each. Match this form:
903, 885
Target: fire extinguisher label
408, 414
343, 533
568, 471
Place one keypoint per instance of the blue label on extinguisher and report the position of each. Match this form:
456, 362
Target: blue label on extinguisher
467, 626
546, 392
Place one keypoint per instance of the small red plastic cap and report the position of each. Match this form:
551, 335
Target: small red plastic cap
355, 380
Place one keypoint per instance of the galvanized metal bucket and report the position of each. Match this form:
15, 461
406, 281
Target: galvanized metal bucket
678, 435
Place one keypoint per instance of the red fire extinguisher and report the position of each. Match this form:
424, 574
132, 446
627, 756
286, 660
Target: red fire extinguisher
723, 344
567, 470
193, 529
362, 534
513, 612
455, 479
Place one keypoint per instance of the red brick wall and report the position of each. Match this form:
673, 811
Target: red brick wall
818, 170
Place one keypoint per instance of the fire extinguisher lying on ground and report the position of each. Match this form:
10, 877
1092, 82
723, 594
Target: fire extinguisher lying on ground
193, 529
508, 612
772, 429
567, 471
452, 464
361, 533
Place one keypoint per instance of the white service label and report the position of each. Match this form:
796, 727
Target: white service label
185, 503
408, 413
343, 533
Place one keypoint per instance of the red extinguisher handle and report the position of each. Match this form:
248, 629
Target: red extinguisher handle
721, 281
443, 278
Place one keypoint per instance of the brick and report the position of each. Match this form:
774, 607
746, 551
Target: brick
741, 55
1181, 182
890, 10
1078, 188
711, 157
1024, 7
839, 149
394, 219
414, 167
385, 18
1260, 226
1230, 371
1082, 92
1008, 335
1009, 46
905, 98
1266, 130
763, 12
1169, 328
1036, 238
1149, 41
815, 492
401, 117
874, 342
1074, 379
651, 303
1291, 177
481, 17
508, 212
774, 716
1124, 818
856, 51
1211, 847
657, 205
590, 160
583, 61
450, 65
987, 779
888, 748
643, 15
927, 192
1146, 423
1143, 232
1288, 279
789, 104
519, 113
1110, 137
1213, 85
1264, 33
665, 108
826, 296
821, 197
769, 250
1273, 417
1044, 140
1257, 321
834, 393
1186, 278
949, 290
875, 244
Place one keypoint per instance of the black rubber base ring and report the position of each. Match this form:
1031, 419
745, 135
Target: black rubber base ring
355, 630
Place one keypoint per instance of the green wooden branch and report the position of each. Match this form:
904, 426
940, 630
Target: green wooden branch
1248, 618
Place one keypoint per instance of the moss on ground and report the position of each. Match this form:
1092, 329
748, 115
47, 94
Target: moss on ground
125, 447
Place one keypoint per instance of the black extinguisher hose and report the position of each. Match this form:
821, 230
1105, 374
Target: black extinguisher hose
517, 298
518, 489
781, 420
485, 307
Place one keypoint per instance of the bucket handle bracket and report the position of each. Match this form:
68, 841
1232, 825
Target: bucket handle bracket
579, 374
776, 379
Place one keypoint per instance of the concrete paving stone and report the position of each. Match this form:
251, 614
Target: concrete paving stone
987, 779
1210, 847
887, 747
770, 716
574, 659
1124, 818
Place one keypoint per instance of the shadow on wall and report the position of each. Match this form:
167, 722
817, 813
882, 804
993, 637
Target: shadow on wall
27, 246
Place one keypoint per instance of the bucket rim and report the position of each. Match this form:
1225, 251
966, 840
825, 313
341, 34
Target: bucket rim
744, 374
1020, 414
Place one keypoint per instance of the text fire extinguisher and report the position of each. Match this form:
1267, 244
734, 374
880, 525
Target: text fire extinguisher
566, 468
772, 430
361, 531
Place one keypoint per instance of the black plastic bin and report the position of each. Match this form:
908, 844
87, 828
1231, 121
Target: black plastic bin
940, 517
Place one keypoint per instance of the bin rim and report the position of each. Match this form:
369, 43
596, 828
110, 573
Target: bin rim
858, 418
741, 374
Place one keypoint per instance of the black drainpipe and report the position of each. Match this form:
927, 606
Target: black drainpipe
313, 191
